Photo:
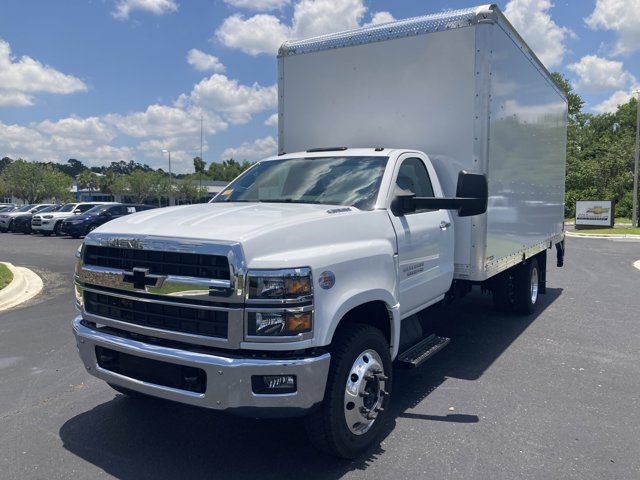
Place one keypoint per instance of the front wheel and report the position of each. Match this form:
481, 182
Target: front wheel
357, 394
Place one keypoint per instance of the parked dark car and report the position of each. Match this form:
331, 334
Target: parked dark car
22, 223
6, 218
79, 225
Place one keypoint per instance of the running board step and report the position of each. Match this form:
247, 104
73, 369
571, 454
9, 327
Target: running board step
422, 351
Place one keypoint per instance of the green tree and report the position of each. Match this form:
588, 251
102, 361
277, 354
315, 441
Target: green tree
140, 185
227, 170
88, 180
199, 165
188, 190
573, 99
4, 163
112, 183
73, 167
160, 186
36, 182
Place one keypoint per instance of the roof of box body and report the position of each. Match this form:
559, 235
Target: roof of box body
448, 20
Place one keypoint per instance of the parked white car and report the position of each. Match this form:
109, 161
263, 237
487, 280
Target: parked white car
49, 223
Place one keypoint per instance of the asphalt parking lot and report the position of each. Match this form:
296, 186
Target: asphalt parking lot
554, 395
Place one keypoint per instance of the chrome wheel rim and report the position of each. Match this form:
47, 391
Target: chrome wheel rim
364, 392
534, 285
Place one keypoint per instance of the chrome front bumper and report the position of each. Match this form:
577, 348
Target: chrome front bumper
228, 385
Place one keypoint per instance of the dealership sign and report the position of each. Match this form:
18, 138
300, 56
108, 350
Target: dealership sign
594, 213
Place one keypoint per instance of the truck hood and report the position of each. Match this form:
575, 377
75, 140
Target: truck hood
272, 235
235, 222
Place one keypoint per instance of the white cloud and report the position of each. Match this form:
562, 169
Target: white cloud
272, 121
264, 33
18, 141
381, 17
202, 61
621, 16
251, 151
532, 20
21, 79
157, 7
255, 35
165, 121
618, 98
259, 5
597, 73
91, 128
182, 152
236, 102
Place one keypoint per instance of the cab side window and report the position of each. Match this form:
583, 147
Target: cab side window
83, 208
119, 210
413, 177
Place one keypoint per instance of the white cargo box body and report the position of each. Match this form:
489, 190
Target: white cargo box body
464, 88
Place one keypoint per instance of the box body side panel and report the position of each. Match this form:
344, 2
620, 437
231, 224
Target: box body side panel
526, 159
410, 93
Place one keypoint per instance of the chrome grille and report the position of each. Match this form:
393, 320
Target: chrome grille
195, 265
175, 318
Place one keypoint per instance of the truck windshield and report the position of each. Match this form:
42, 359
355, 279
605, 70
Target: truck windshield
352, 181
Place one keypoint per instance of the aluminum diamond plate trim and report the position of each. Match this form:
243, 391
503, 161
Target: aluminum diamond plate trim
386, 31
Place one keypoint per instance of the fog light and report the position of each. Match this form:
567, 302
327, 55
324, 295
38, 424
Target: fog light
273, 384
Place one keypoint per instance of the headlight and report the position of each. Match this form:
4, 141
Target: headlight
284, 323
280, 286
47, 216
285, 288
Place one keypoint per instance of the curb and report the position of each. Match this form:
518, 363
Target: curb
600, 236
25, 285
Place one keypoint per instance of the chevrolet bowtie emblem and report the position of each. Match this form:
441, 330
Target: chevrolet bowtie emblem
141, 278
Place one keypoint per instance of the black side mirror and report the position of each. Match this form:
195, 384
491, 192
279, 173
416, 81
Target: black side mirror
472, 186
471, 198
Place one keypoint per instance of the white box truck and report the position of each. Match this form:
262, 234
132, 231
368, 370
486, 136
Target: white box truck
417, 159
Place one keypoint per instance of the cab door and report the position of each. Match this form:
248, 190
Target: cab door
424, 238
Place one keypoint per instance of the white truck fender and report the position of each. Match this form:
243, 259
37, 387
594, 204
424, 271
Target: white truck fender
377, 295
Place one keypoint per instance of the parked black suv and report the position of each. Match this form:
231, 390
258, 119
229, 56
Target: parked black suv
79, 225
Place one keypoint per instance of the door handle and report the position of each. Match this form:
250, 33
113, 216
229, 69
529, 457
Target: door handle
444, 225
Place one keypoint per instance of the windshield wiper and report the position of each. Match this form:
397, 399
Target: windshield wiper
288, 200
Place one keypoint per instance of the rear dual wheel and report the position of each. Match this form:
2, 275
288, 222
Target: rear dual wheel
517, 289
351, 415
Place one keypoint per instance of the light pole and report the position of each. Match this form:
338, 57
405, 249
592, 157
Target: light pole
634, 220
170, 176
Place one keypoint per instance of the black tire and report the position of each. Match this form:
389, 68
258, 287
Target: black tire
523, 301
127, 392
327, 426
502, 291
57, 227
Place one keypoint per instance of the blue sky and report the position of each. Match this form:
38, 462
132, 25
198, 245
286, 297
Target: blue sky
105, 80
